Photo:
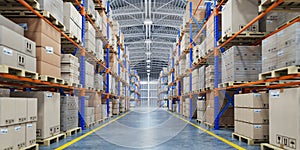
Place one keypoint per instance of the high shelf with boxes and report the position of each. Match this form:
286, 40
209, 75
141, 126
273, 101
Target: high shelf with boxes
162, 89
134, 88
241, 59
59, 41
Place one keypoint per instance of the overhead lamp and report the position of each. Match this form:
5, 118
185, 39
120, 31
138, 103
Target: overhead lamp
148, 41
148, 61
148, 70
148, 66
148, 22
148, 53
148, 74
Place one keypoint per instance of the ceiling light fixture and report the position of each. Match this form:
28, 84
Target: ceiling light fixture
148, 41
148, 70
148, 61
148, 66
148, 53
148, 22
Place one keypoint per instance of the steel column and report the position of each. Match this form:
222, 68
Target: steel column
107, 59
191, 59
119, 51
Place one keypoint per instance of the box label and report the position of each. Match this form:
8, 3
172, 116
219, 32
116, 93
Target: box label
18, 128
29, 125
49, 95
257, 126
257, 94
7, 51
3, 131
275, 94
280, 53
49, 50
257, 110
24, 26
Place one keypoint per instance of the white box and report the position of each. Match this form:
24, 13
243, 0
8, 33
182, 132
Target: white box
7, 138
7, 111
30, 135
19, 136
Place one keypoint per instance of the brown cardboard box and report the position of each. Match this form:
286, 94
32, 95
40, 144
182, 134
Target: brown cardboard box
30, 133
44, 68
253, 131
7, 111
20, 110
254, 116
48, 112
19, 136
42, 40
252, 100
47, 55
31, 109
38, 25
7, 139
284, 118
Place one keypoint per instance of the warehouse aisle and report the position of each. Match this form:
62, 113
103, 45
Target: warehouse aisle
149, 129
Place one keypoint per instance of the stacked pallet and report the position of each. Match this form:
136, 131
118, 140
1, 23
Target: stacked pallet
18, 118
68, 113
281, 49
72, 21
99, 49
70, 68
98, 82
241, 63
202, 77
89, 75
115, 106
226, 120
54, 7
209, 77
201, 108
48, 108
94, 100
284, 124
189, 110
195, 80
89, 116
19, 53
90, 38
251, 115
48, 48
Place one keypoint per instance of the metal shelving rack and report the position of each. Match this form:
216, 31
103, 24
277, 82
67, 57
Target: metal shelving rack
28, 83
216, 53
134, 87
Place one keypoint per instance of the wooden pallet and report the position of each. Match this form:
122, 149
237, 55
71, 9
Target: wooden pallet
15, 5
30, 14
50, 140
266, 146
221, 126
65, 42
51, 79
199, 121
248, 140
245, 38
76, 85
279, 72
89, 125
232, 83
287, 3
288, 22
18, 72
73, 131
31, 147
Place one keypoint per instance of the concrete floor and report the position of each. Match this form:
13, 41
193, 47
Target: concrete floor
151, 129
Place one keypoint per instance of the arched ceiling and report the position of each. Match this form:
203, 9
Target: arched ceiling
154, 21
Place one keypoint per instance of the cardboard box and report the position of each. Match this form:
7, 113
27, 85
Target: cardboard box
253, 116
48, 56
23, 45
30, 135
201, 105
19, 136
38, 25
69, 59
7, 111
31, 109
284, 118
252, 100
7, 139
253, 131
44, 68
20, 110
11, 25
48, 112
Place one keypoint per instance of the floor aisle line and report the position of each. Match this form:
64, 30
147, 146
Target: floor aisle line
209, 133
89, 133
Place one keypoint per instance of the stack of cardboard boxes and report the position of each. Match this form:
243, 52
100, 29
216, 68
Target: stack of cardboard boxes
195, 80
70, 68
18, 118
202, 77
209, 77
90, 38
241, 63
68, 113
201, 107
54, 7
251, 115
210, 115
48, 48
18, 53
48, 108
89, 75
281, 49
89, 116
95, 102
115, 106
72, 20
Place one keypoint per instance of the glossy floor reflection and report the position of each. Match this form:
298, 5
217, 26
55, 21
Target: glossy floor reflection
151, 128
